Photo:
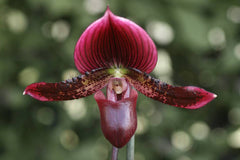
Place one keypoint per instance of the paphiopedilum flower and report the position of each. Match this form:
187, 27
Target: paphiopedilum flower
117, 53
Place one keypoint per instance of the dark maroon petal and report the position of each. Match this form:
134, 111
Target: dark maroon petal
113, 41
118, 117
75, 88
189, 97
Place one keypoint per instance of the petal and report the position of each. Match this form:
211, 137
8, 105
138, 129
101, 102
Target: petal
118, 118
113, 41
188, 97
75, 88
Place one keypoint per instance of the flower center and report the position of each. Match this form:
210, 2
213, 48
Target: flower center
117, 72
118, 89
117, 86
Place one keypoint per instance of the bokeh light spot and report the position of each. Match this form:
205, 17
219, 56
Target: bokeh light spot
28, 75
237, 51
69, 139
181, 141
95, 6
76, 109
69, 74
234, 139
142, 125
17, 21
163, 68
161, 32
60, 30
216, 38
199, 130
233, 13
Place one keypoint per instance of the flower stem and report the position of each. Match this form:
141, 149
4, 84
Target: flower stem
130, 148
114, 153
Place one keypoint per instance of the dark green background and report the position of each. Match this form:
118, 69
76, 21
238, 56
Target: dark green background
204, 52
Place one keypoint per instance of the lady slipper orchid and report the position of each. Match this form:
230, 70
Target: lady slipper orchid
117, 53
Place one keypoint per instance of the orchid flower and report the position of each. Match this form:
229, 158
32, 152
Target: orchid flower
116, 53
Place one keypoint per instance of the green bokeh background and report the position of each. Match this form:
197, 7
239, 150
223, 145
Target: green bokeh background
37, 39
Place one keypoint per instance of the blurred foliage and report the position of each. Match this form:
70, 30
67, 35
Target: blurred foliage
199, 41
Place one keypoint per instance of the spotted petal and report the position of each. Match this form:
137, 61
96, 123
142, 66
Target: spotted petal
113, 41
81, 86
189, 97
